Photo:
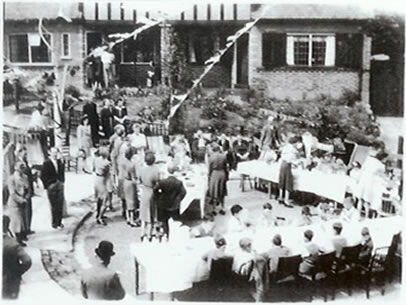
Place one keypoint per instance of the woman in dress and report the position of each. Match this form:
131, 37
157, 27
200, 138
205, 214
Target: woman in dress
129, 186
102, 181
121, 168
84, 135
120, 113
138, 140
288, 154
368, 181
20, 193
218, 175
180, 150
149, 176
106, 118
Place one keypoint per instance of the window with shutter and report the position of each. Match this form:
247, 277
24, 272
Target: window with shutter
349, 50
273, 50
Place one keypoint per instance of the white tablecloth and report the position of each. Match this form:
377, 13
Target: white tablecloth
329, 185
171, 267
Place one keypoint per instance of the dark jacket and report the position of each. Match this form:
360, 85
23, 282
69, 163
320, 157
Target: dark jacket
49, 175
15, 263
90, 109
101, 283
169, 193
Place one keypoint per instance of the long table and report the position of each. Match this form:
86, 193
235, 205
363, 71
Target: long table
171, 267
329, 185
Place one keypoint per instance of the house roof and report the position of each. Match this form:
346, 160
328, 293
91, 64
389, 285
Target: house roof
50, 10
35, 10
311, 11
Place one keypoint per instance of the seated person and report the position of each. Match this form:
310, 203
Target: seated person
267, 219
244, 258
241, 149
366, 247
324, 210
278, 250
218, 252
204, 229
239, 220
349, 213
310, 255
306, 218
339, 241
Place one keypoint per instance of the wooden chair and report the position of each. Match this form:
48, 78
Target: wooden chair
287, 272
376, 269
321, 275
70, 161
345, 267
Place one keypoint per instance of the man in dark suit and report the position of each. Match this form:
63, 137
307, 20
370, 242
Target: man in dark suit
15, 263
99, 282
22, 157
90, 110
168, 194
53, 178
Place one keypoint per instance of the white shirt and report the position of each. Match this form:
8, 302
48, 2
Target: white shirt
138, 141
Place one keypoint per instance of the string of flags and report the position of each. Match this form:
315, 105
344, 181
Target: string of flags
210, 63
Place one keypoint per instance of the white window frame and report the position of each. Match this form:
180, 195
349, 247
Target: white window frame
69, 55
30, 63
330, 49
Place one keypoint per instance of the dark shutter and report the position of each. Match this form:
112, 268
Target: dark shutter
349, 50
273, 50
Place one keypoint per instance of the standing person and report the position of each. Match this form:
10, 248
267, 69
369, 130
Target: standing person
15, 263
121, 167
106, 119
90, 110
16, 205
22, 157
149, 176
38, 123
129, 186
53, 178
241, 149
120, 113
138, 141
218, 175
9, 160
102, 170
288, 155
115, 142
226, 148
84, 135
99, 282
370, 171
169, 193
180, 150
270, 136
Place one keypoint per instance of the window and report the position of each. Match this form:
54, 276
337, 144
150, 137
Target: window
201, 46
310, 50
29, 48
65, 45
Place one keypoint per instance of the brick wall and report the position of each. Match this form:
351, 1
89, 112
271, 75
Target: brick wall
56, 29
297, 85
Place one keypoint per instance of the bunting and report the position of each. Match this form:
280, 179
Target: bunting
211, 62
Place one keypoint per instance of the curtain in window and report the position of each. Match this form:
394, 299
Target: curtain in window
290, 58
41, 53
330, 51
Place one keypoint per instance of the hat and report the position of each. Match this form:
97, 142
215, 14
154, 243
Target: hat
172, 169
105, 249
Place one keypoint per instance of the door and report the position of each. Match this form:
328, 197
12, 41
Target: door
242, 61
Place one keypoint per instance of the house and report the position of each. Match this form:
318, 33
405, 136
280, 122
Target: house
294, 51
